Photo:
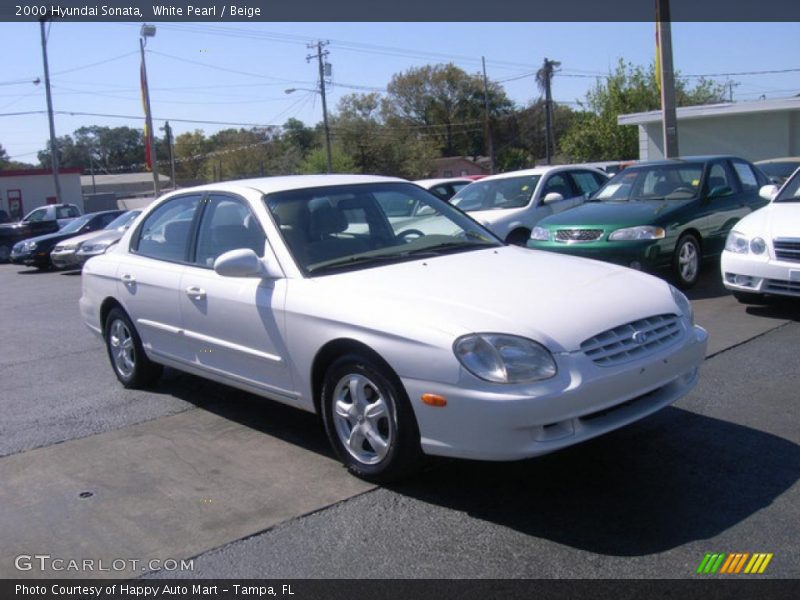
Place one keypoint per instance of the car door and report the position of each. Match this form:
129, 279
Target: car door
234, 325
750, 181
557, 183
725, 203
149, 275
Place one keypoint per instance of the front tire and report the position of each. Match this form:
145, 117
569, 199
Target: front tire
518, 237
686, 261
369, 420
131, 366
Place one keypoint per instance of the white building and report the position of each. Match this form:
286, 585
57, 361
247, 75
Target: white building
23, 190
752, 130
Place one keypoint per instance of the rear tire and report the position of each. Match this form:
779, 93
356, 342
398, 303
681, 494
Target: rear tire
369, 420
686, 261
131, 366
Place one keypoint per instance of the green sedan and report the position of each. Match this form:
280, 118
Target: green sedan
667, 214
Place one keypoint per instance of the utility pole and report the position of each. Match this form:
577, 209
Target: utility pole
320, 55
53, 145
146, 32
487, 127
168, 134
545, 76
669, 117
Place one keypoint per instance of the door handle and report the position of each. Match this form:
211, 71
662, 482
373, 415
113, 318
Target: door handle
195, 292
127, 279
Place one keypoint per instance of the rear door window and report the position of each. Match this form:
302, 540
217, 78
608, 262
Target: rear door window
165, 233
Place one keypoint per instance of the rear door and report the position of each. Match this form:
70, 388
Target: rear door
724, 210
150, 273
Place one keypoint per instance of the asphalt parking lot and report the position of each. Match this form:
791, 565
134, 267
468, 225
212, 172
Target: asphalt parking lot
249, 488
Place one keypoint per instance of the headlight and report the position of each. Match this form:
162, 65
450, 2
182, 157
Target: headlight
684, 305
757, 245
642, 232
737, 243
540, 234
503, 358
29, 246
97, 248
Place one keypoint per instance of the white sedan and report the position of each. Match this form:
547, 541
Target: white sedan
303, 290
511, 204
762, 252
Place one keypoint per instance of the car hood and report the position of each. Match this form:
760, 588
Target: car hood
51, 237
622, 214
78, 239
555, 299
103, 235
776, 220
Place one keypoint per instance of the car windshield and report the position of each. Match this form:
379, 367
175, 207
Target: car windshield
122, 221
790, 191
655, 182
495, 194
358, 226
75, 225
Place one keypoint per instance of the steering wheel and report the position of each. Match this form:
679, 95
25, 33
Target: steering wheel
681, 190
413, 233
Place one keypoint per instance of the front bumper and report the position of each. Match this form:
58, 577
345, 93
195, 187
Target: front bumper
494, 422
759, 274
646, 255
31, 259
64, 260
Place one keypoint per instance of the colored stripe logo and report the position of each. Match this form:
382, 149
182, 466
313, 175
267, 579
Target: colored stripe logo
734, 563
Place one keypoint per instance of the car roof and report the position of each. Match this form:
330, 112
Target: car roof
681, 159
785, 159
542, 170
437, 181
269, 185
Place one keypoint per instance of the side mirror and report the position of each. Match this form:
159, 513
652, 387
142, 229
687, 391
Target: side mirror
720, 191
553, 197
768, 192
243, 262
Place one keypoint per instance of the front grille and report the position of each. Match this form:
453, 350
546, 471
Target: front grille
787, 249
578, 235
780, 286
633, 340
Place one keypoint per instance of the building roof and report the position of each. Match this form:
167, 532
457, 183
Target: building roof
121, 178
28, 172
714, 110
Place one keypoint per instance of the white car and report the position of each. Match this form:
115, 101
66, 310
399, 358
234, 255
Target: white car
444, 188
762, 252
512, 203
301, 289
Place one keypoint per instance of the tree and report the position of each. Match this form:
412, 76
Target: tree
4, 160
444, 103
376, 148
101, 148
520, 137
190, 156
317, 161
595, 134
298, 137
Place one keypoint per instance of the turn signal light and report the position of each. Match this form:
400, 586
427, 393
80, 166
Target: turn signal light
434, 400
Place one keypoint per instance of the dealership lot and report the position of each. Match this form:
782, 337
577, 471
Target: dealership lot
191, 468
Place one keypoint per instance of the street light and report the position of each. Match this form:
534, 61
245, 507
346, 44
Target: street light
324, 121
146, 32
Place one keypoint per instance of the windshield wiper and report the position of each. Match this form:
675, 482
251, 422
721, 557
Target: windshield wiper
445, 247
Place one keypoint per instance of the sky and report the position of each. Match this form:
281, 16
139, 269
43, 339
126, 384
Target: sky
206, 76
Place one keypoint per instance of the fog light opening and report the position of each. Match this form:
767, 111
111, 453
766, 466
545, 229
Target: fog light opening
743, 280
636, 265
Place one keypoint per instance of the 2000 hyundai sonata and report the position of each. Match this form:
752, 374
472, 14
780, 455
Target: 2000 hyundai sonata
323, 293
